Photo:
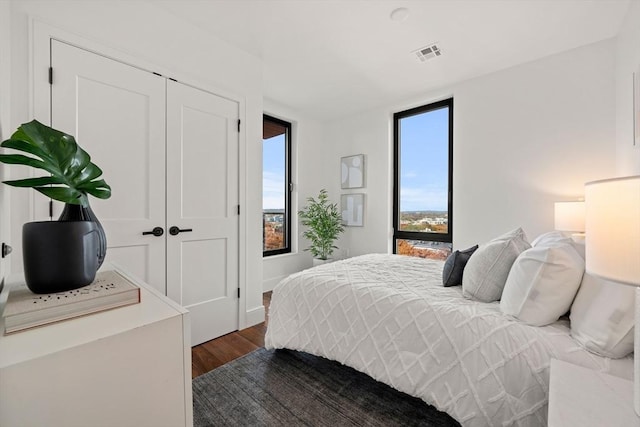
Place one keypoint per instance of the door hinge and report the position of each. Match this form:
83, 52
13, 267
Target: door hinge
50, 75
50, 208
238, 209
238, 292
239, 121
6, 250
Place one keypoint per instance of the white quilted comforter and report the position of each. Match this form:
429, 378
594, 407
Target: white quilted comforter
389, 317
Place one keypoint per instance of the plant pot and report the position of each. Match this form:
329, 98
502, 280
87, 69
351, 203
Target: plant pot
82, 213
318, 261
59, 256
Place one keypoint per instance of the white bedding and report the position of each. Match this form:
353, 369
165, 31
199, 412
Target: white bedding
389, 317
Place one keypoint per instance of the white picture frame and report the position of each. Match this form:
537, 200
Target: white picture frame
352, 171
352, 207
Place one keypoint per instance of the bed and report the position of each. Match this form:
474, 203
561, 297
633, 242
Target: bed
390, 317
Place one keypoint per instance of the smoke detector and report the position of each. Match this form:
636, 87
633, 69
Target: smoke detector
428, 52
400, 14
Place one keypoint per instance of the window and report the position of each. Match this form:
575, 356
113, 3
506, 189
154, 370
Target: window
422, 187
276, 186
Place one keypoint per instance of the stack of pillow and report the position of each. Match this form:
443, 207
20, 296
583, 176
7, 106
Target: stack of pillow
537, 283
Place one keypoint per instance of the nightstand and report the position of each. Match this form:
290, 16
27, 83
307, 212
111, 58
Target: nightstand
583, 397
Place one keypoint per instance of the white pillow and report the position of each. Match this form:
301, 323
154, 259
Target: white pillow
550, 239
487, 269
542, 284
554, 237
602, 317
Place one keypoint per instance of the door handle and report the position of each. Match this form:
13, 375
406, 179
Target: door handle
175, 230
157, 231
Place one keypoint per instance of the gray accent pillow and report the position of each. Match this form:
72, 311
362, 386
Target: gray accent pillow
487, 270
454, 266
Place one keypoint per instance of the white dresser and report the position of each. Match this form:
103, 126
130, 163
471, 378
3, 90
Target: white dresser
130, 366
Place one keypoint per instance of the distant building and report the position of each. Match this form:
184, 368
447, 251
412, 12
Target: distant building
437, 221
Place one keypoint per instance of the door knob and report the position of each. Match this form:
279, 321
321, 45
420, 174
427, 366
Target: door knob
175, 230
157, 231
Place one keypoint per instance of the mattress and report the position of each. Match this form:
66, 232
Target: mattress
389, 317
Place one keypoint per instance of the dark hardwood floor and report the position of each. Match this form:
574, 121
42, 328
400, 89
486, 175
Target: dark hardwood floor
212, 354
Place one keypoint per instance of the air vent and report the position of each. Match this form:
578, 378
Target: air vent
428, 52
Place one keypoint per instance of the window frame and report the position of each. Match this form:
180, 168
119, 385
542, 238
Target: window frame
287, 193
419, 235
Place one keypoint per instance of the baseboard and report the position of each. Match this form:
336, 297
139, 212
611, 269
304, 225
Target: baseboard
255, 316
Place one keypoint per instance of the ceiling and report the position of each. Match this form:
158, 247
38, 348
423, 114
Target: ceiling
331, 58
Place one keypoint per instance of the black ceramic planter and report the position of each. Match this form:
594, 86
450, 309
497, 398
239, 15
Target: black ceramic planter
59, 256
84, 213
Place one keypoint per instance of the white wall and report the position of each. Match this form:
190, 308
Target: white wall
370, 134
143, 31
308, 158
524, 138
627, 62
5, 127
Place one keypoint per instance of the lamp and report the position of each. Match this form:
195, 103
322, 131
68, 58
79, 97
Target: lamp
569, 216
613, 242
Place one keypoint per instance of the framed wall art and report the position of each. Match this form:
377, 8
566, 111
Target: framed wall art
352, 171
352, 206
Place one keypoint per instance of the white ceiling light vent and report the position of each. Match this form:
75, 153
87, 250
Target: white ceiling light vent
430, 51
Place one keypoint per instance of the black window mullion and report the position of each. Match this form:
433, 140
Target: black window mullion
287, 190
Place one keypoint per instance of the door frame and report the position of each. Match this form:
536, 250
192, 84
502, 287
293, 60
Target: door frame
40, 35
6, 129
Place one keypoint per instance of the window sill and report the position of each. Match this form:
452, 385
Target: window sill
280, 256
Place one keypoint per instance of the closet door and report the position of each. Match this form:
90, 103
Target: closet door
117, 114
202, 205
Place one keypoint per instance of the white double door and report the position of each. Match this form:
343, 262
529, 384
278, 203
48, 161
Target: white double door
170, 154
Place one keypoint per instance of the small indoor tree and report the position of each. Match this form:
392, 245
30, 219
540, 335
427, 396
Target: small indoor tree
324, 223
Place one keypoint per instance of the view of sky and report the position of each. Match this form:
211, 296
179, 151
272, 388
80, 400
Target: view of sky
424, 161
273, 160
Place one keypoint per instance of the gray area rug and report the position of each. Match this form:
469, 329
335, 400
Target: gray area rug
290, 388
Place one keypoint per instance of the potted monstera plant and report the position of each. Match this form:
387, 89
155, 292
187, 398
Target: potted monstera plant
324, 225
65, 254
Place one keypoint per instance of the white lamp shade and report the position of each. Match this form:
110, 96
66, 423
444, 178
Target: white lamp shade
569, 216
612, 244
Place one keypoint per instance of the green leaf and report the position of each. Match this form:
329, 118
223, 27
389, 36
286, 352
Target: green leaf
88, 173
34, 182
19, 159
77, 162
100, 193
60, 155
64, 194
99, 189
22, 145
94, 185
